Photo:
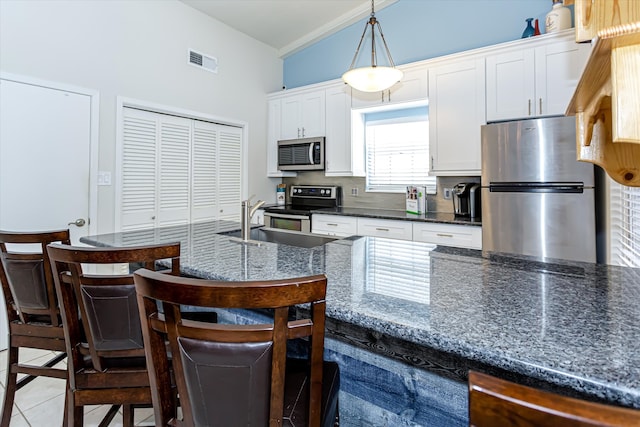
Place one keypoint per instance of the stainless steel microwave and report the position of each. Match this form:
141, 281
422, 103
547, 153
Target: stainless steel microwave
301, 154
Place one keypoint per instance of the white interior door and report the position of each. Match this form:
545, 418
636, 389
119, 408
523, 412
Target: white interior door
45, 137
45, 140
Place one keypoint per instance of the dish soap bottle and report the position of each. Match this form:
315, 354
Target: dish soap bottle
559, 18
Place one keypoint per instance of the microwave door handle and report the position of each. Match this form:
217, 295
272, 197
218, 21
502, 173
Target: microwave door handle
311, 153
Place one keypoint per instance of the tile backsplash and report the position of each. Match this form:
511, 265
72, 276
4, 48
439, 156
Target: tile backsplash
376, 200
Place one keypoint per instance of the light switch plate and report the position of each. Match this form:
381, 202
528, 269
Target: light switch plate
104, 178
447, 194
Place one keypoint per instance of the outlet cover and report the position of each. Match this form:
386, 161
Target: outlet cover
447, 194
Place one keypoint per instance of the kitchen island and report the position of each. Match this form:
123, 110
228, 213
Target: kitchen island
406, 320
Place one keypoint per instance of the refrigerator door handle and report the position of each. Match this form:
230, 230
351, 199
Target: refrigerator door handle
536, 187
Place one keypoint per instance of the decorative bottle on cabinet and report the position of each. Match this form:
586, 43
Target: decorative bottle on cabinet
559, 18
528, 31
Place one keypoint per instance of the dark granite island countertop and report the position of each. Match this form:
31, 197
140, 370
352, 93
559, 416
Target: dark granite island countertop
571, 325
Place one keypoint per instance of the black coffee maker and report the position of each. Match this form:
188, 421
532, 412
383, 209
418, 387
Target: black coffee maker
466, 199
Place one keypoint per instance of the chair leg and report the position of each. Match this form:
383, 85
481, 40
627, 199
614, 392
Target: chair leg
75, 414
10, 389
127, 415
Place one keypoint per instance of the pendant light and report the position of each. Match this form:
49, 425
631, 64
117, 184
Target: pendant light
374, 78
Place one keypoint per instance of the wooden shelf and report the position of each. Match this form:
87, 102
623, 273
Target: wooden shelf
606, 104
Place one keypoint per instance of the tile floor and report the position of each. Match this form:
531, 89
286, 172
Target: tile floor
40, 402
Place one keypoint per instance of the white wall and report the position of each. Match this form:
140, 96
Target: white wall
138, 49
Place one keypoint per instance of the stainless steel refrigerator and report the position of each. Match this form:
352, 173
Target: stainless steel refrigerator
537, 199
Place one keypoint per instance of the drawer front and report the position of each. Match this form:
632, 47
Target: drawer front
385, 228
334, 225
448, 235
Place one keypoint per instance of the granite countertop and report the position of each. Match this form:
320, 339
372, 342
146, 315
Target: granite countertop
576, 325
441, 217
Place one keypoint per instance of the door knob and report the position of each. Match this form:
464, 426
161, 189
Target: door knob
78, 222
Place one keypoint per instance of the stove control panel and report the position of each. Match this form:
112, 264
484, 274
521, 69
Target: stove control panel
313, 191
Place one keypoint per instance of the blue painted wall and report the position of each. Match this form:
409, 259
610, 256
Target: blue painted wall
417, 30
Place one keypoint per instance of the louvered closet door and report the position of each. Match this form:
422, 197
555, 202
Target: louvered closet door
229, 166
174, 170
138, 194
204, 161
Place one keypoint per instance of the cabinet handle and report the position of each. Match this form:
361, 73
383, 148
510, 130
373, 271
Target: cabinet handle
444, 235
382, 229
431, 162
529, 107
540, 105
298, 132
303, 132
382, 96
333, 225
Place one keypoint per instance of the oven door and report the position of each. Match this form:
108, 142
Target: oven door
288, 222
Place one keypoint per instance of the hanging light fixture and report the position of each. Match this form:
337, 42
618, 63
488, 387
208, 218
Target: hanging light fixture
374, 78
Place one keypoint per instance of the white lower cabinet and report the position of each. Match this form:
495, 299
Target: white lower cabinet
385, 228
462, 236
334, 225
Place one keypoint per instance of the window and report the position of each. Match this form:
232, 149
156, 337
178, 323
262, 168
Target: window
625, 229
397, 150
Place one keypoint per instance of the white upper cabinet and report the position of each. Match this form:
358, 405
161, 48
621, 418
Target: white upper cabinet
273, 135
412, 87
456, 112
303, 115
533, 81
343, 155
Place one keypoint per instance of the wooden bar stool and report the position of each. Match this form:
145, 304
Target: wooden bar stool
106, 359
32, 308
494, 402
232, 375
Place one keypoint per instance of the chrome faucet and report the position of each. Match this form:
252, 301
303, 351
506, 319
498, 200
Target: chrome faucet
247, 213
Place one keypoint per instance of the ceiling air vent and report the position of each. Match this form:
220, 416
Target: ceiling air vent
203, 61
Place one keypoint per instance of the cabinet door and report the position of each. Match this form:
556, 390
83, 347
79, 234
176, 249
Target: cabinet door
385, 228
312, 115
334, 225
412, 87
290, 118
462, 236
342, 156
456, 112
273, 135
558, 70
510, 85
303, 115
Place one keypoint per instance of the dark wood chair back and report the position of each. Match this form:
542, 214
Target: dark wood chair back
228, 374
494, 402
32, 308
105, 348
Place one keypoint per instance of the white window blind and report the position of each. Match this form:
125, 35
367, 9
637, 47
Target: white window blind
625, 225
397, 150
398, 270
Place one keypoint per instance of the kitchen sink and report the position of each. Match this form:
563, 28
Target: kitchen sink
283, 237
